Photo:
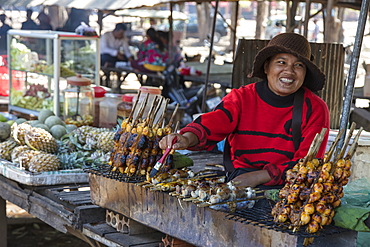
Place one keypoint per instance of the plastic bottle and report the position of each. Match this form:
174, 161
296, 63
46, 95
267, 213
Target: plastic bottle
99, 96
108, 110
124, 108
78, 97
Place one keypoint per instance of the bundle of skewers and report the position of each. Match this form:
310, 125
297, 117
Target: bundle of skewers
136, 149
314, 186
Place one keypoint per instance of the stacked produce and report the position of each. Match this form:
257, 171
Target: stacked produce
64, 71
48, 144
136, 147
314, 187
33, 98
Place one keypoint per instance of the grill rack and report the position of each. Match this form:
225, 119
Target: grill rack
106, 171
261, 216
258, 216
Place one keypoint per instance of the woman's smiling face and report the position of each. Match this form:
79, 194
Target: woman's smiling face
285, 73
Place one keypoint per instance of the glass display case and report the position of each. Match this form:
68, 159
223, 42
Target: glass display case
43, 60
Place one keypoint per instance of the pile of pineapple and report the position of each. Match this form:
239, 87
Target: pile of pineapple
36, 150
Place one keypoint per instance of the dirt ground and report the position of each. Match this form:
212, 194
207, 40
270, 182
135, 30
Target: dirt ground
36, 233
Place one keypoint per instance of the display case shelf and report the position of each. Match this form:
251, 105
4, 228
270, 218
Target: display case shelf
43, 59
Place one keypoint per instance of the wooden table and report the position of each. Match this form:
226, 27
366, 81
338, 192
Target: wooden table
68, 208
220, 74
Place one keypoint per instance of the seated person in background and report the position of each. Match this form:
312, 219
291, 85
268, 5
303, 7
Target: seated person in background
114, 46
29, 24
152, 55
173, 50
3, 34
44, 20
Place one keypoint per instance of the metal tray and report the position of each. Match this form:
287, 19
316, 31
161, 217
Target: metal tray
12, 171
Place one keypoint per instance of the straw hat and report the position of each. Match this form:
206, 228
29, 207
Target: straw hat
296, 45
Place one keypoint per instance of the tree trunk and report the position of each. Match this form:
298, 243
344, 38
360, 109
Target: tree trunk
329, 31
260, 18
339, 25
306, 17
204, 20
291, 13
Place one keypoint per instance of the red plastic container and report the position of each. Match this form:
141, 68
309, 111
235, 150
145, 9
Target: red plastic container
18, 77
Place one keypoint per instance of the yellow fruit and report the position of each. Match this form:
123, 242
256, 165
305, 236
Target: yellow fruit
44, 162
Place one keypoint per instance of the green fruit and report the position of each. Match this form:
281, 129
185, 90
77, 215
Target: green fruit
3, 118
53, 120
42, 126
20, 120
44, 114
57, 131
70, 127
4, 131
35, 122
10, 122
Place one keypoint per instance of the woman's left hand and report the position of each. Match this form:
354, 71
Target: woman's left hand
253, 179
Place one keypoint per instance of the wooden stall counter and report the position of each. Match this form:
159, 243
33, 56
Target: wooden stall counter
195, 225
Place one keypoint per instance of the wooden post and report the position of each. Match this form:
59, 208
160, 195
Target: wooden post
3, 223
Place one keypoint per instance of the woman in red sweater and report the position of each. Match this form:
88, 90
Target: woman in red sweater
257, 118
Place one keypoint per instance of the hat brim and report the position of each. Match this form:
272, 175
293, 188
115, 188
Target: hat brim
314, 79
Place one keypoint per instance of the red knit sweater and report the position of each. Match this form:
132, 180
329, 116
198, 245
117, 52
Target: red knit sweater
259, 123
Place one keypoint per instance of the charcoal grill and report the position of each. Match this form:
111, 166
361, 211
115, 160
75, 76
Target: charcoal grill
147, 207
257, 216
261, 216
106, 171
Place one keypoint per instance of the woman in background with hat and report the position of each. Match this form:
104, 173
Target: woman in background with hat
263, 138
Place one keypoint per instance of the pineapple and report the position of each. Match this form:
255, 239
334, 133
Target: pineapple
6, 149
18, 132
25, 157
105, 141
43, 162
66, 146
17, 151
41, 140
88, 135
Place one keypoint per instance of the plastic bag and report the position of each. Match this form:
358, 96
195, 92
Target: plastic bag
355, 206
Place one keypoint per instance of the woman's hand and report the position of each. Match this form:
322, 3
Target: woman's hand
253, 179
184, 141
